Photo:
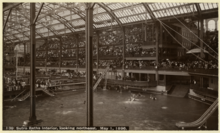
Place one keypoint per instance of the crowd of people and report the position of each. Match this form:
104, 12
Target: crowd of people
68, 53
139, 64
134, 34
137, 50
110, 51
110, 37
196, 64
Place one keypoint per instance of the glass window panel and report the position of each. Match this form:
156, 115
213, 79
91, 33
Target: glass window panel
152, 7
167, 5
157, 7
215, 5
201, 6
175, 11
206, 6
122, 20
159, 14
211, 5
134, 18
174, 4
137, 10
184, 9
155, 14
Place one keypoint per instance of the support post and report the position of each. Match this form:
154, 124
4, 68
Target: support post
97, 56
60, 55
24, 57
77, 52
32, 118
201, 36
158, 27
46, 56
89, 67
123, 54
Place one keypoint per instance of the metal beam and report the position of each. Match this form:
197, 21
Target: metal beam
6, 19
147, 8
11, 6
66, 22
38, 13
198, 9
92, 5
16, 38
76, 12
49, 28
111, 13
89, 65
22, 32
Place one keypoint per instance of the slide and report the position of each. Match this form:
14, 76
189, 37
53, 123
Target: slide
24, 97
202, 120
46, 91
179, 91
100, 78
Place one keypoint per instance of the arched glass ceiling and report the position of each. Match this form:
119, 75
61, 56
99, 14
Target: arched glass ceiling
60, 18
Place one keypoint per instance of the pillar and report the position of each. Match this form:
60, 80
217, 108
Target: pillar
201, 36
77, 52
89, 65
97, 57
123, 54
159, 36
60, 55
24, 57
32, 117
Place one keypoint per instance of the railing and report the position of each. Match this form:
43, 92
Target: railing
132, 83
204, 71
140, 55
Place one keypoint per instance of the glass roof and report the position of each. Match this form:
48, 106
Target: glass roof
60, 18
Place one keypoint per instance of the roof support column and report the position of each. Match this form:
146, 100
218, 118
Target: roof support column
201, 36
97, 56
123, 54
158, 30
32, 118
89, 67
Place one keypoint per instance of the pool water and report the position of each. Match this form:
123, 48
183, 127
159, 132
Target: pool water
111, 108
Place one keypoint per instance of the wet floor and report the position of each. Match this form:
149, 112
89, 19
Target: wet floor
111, 108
